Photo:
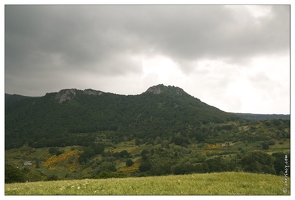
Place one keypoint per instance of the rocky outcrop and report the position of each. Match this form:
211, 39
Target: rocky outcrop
158, 89
92, 92
64, 95
69, 94
155, 90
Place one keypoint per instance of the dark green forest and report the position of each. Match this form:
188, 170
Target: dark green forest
161, 131
44, 122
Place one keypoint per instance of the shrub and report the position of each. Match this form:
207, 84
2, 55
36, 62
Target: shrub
124, 154
13, 174
107, 166
267, 169
254, 167
59, 152
52, 150
52, 177
144, 154
259, 162
279, 162
129, 162
271, 142
265, 146
106, 174
185, 168
260, 157
217, 165
145, 166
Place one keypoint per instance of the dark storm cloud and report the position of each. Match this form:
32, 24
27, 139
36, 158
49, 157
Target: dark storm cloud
104, 39
38, 34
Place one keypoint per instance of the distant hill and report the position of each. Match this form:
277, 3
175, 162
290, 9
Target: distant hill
59, 118
13, 97
262, 116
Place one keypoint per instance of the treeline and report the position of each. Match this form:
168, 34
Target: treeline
262, 116
255, 162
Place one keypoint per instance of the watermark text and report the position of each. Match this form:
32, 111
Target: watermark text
286, 173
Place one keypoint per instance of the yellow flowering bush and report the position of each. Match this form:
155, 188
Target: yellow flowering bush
132, 150
213, 146
69, 160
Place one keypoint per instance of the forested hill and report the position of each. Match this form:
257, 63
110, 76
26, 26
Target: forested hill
262, 116
61, 118
13, 97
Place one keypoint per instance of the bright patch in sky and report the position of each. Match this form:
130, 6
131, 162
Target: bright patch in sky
258, 10
163, 67
264, 81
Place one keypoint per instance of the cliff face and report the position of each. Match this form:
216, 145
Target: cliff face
69, 94
154, 90
158, 89
64, 95
92, 92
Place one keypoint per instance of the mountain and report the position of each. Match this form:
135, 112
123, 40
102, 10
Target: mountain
161, 89
250, 116
13, 97
75, 117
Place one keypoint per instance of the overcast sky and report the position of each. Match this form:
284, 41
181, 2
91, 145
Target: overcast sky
236, 58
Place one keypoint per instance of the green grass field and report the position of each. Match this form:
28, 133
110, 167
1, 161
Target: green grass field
226, 183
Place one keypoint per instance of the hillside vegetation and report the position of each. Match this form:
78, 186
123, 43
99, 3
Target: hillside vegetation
76, 134
70, 117
262, 116
226, 183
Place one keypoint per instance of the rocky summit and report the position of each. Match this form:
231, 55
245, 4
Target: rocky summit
158, 89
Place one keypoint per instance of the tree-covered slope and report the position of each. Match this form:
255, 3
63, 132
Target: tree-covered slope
59, 119
250, 116
13, 97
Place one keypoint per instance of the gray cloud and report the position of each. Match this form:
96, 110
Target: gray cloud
83, 35
50, 46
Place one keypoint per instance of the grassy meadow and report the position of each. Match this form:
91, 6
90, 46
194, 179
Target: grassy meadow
225, 183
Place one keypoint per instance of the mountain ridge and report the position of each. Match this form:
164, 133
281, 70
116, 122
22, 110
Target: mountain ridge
160, 111
156, 89
68, 94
